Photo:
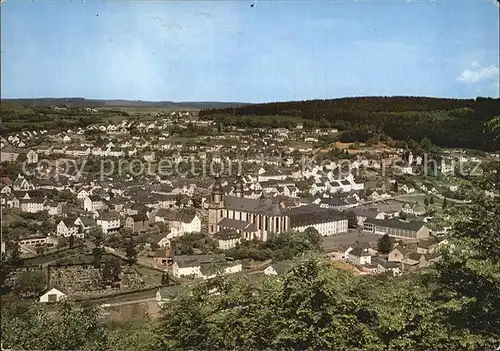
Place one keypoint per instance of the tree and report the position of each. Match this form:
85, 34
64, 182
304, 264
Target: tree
426, 144
111, 271
431, 201
97, 254
403, 215
30, 283
71, 241
165, 279
178, 200
385, 244
312, 306
466, 278
426, 202
395, 186
64, 326
352, 219
130, 251
15, 254
196, 202
445, 203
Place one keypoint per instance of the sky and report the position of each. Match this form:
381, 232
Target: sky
232, 51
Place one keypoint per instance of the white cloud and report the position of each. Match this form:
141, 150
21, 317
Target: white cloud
477, 74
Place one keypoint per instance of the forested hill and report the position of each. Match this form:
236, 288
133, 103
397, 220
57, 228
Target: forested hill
82, 102
447, 122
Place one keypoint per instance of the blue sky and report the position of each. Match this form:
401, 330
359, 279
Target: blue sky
230, 51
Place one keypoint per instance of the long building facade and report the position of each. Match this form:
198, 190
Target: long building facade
263, 217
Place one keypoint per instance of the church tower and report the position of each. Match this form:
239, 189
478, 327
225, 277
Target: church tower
216, 206
238, 190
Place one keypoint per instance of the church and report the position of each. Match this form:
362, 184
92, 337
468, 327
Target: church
265, 216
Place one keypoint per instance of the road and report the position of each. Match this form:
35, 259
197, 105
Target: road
124, 303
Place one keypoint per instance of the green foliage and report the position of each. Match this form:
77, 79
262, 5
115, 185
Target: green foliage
15, 258
131, 251
313, 306
30, 283
384, 244
445, 203
447, 122
468, 276
403, 215
131, 336
278, 248
63, 327
111, 271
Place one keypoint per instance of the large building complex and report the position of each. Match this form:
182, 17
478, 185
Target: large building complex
258, 218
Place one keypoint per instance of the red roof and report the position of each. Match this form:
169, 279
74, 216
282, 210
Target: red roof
6, 181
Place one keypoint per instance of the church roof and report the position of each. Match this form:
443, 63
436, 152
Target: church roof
265, 206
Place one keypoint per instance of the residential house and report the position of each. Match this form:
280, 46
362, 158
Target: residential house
138, 223
187, 223
33, 205
85, 223
384, 266
277, 269
163, 256
93, 203
359, 256
414, 209
109, 222
53, 208
67, 227
227, 238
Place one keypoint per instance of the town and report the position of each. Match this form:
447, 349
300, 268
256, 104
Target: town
250, 175
92, 213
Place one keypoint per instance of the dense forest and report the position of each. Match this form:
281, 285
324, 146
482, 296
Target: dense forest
446, 122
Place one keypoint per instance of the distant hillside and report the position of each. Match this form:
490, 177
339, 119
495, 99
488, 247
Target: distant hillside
81, 102
447, 122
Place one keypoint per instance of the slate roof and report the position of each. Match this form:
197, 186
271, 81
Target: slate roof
227, 234
265, 206
397, 224
176, 216
365, 212
139, 217
237, 224
310, 215
358, 252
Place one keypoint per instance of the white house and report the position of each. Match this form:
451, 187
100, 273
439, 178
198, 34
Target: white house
358, 256
109, 222
180, 222
189, 268
53, 295
93, 203
277, 269
32, 205
82, 194
67, 228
